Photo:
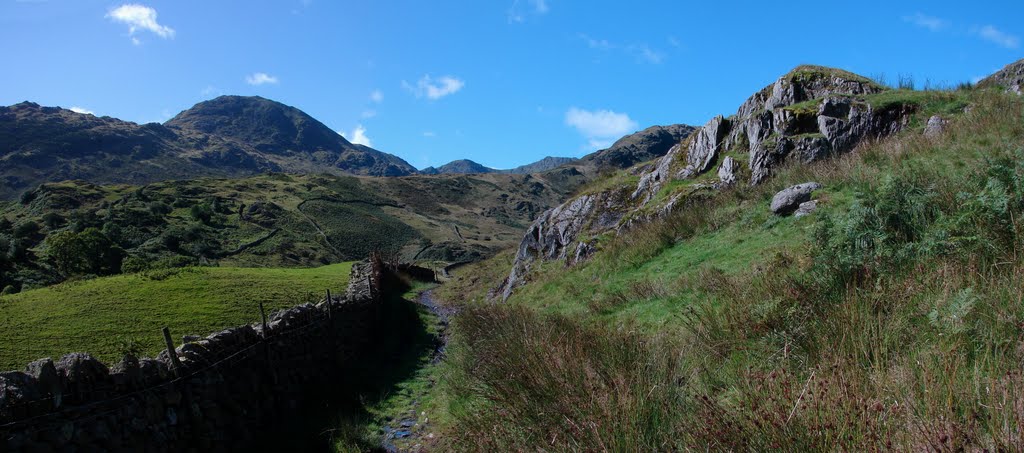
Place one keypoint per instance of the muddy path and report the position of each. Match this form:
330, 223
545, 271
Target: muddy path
411, 429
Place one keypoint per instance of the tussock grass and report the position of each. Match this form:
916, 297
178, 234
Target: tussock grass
890, 320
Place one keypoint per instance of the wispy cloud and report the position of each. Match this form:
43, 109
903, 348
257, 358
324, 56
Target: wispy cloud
520, 10
997, 36
429, 134
641, 52
368, 114
434, 89
82, 110
377, 96
357, 136
260, 78
925, 21
599, 127
139, 18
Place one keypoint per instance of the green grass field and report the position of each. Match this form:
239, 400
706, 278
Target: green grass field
99, 316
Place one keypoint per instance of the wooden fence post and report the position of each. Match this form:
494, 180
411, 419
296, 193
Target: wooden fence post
263, 314
330, 314
171, 352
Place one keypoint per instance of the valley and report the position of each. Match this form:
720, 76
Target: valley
834, 266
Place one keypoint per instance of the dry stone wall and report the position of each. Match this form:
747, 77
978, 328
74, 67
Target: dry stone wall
224, 391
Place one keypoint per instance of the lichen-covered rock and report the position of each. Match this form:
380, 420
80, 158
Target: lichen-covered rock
788, 200
806, 208
936, 125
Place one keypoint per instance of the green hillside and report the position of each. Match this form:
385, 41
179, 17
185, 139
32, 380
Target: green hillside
889, 319
106, 316
272, 220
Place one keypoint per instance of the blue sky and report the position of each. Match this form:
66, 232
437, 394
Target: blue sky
502, 82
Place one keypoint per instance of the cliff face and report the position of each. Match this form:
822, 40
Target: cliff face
809, 114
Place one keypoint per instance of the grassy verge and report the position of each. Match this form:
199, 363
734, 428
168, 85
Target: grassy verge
104, 316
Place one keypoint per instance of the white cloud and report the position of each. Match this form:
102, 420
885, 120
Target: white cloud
600, 127
429, 134
82, 110
434, 89
993, 34
925, 21
358, 136
377, 96
368, 113
642, 52
139, 18
260, 78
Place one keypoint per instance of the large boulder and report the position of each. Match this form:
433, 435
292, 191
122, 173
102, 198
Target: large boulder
788, 200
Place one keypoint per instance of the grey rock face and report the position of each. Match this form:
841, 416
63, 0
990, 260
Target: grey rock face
703, 150
651, 182
936, 125
727, 171
788, 200
552, 234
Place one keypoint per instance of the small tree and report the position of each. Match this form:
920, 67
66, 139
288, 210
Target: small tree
64, 250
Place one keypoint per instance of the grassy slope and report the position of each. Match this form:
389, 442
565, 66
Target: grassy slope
97, 315
728, 313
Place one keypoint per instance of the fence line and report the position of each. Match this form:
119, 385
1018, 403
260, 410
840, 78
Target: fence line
319, 319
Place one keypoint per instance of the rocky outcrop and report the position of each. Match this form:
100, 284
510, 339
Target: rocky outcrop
809, 114
789, 200
1011, 78
551, 236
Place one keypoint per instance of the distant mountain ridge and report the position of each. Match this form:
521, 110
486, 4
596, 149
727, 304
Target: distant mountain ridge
466, 166
229, 136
